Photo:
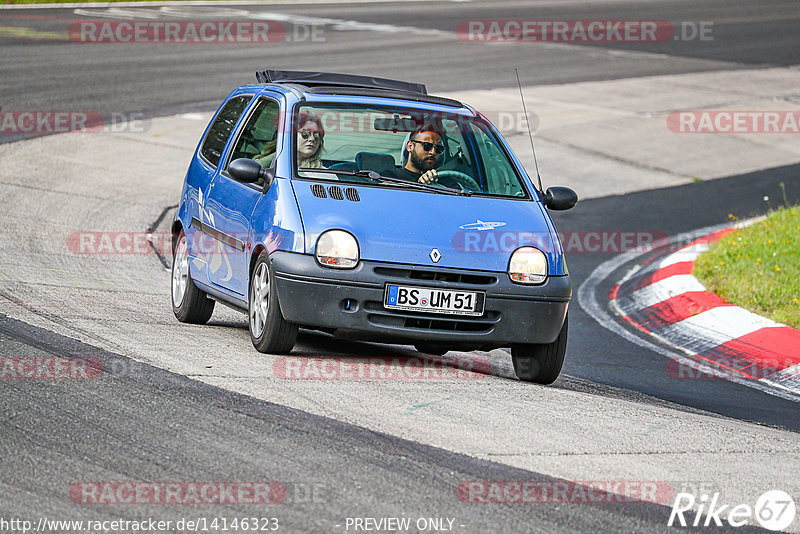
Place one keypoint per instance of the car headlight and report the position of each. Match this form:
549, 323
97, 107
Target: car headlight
528, 265
337, 249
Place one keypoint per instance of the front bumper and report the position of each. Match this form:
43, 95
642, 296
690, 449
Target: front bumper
315, 296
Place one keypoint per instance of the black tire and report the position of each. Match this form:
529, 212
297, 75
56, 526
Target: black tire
269, 331
193, 305
427, 348
540, 363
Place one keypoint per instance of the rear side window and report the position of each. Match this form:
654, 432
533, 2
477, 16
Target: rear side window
222, 127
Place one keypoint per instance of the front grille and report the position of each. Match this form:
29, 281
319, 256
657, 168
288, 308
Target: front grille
441, 324
437, 276
318, 191
352, 194
336, 192
380, 316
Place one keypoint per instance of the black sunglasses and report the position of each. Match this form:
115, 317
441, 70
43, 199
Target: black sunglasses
306, 133
427, 147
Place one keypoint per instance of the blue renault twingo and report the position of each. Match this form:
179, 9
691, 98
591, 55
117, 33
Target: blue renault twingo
367, 208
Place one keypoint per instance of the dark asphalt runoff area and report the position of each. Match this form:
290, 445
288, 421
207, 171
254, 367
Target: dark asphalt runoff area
143, 423
158, 79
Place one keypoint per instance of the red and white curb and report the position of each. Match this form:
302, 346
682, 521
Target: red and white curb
719, 340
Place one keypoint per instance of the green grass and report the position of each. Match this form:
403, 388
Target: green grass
758, 267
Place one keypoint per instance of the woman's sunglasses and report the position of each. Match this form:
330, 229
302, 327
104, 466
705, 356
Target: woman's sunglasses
305, 134
427, 147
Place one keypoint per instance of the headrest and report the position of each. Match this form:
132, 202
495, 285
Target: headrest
373, 161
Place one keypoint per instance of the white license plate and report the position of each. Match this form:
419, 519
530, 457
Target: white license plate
432, 300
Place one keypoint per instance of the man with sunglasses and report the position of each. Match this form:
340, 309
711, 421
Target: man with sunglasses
424, 148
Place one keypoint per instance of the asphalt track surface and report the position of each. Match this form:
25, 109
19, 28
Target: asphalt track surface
145, 423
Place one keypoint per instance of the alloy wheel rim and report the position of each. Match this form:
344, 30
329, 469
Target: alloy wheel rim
180, 273
259, 300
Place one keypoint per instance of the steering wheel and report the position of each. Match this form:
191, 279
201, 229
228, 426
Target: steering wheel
458, 178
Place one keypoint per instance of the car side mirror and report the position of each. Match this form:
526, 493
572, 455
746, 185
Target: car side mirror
250, 171
559, 198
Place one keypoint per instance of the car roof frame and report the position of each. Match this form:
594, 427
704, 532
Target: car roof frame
351, 84
310, 79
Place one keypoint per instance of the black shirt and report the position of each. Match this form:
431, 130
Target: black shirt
405, 174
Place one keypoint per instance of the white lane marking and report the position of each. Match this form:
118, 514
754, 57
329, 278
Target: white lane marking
587, 299
121, 13
660, 291
196, 11
692, 251
190, 3
714, 327
792, 372
687, 253
347, 25
789, 378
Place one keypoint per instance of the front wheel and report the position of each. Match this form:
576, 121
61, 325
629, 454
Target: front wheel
540, 363
189, 304
269, 331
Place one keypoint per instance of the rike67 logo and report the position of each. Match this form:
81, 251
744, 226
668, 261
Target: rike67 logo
774, 510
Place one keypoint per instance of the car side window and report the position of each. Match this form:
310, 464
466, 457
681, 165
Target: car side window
501, 178
221, 129
259, 136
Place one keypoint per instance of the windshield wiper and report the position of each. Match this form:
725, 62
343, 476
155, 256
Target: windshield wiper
378, 178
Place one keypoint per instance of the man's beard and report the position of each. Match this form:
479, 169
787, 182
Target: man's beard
422, 164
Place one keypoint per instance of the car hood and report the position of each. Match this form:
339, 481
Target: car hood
404, 226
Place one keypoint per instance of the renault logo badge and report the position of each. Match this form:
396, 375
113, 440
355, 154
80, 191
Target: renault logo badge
436, 255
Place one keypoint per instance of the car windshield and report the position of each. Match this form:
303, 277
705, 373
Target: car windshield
394, 147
